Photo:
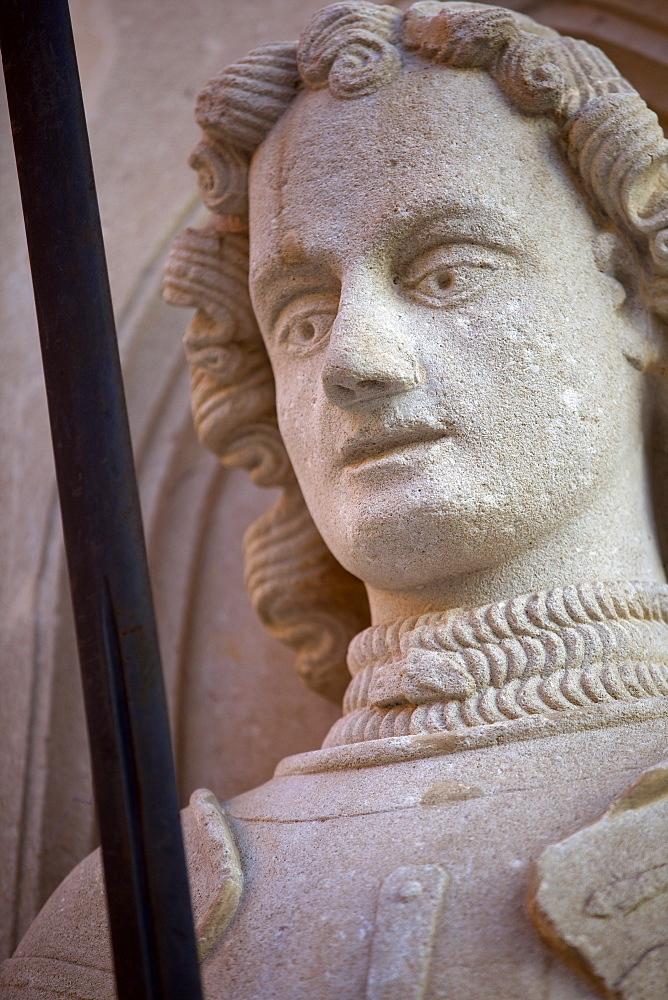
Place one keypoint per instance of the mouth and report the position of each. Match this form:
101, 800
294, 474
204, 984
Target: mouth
386, 441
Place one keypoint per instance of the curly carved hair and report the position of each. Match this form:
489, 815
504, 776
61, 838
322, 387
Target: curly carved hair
607, 135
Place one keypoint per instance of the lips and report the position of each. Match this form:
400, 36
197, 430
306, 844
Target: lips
384, 440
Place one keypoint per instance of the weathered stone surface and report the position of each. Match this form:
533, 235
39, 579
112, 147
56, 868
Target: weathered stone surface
77, 962
443, 329
431, 297
323, 847
600, 897
215, 653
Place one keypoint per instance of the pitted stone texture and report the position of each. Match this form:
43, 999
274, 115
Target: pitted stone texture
409, 906
420, 400
67, 951
433, 332
538, 653
600, 897
330, 858
141, 66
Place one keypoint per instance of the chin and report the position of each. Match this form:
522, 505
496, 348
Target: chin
403, 547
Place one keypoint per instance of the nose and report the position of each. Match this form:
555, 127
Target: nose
368, 357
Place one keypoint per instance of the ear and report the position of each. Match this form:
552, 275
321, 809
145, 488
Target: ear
641, 342
614, 259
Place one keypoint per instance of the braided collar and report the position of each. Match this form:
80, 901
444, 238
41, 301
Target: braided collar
558, 650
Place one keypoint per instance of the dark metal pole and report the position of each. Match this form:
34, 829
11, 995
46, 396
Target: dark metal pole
147, 890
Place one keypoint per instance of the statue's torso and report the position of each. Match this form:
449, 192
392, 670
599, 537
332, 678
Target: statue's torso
362, 874
409, 879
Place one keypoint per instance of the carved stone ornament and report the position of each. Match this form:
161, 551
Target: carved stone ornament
579, 647
604, 906
430, 304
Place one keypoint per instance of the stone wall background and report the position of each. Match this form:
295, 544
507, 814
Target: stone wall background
237, 706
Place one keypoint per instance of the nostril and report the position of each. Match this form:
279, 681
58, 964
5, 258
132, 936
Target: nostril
345, 385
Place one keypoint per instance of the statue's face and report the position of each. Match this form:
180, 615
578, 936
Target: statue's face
450, 380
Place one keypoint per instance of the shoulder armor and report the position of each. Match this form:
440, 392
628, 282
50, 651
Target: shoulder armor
214, 868
600, 897
66, 951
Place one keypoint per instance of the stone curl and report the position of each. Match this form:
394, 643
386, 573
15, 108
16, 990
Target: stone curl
240, 104
607, 135
298, 590
222, 173
468, 38
606, 131
350, 47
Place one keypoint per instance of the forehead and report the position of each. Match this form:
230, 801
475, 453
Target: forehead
340, 176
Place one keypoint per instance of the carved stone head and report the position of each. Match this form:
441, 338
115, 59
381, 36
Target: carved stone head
438, 262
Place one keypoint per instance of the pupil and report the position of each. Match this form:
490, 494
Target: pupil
444, 280
308, 331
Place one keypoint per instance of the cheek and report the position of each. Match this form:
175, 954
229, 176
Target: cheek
537, 375
548, 340
296, 405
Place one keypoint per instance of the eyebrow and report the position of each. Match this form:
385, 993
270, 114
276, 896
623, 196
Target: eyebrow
416, 228
478, 222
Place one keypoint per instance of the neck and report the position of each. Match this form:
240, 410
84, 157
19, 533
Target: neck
539, 654
614, 539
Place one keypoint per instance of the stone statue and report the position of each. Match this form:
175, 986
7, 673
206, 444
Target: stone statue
430, 308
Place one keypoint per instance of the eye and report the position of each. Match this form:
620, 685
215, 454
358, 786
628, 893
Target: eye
449, 274
304, 325
438, 282
305, 333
